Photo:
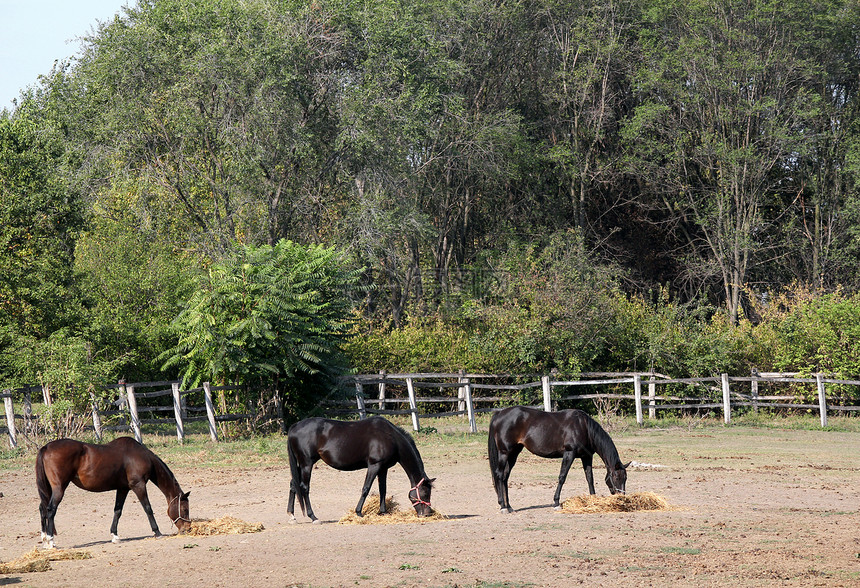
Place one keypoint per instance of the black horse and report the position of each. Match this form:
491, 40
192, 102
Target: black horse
123, 465
372, 443
567, 434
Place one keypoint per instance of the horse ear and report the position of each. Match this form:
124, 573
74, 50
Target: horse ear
624, 466
431, 480
185, 495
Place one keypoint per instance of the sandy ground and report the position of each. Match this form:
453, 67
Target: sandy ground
755, 508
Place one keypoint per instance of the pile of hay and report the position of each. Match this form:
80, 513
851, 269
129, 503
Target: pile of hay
224, 526
615, 503
392, 517
40, 560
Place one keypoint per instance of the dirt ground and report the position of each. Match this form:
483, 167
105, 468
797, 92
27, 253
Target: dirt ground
754, 508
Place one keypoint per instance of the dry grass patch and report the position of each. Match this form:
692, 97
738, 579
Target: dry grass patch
222, 526
616, 503
40, 560
394, 515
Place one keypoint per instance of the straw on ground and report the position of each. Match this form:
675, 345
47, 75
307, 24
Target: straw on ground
615, 503
392, 517
40, 560
226, 525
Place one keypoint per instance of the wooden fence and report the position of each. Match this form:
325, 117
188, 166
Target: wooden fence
398, 394
127, 404
554, 390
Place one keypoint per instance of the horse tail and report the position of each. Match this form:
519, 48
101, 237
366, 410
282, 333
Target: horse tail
42, 483
492, 448
295, 479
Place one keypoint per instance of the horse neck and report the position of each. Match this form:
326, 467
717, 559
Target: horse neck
603, 445
410, 459
164, 479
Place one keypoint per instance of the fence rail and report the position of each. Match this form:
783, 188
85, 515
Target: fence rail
125, 405
397, 394
555, 390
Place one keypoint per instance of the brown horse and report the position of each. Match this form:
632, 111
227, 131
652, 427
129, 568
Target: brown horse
121, 465
567, 434
372, 443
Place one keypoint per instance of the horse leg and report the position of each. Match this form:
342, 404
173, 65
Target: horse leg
48, 512
372, 472
121, 494
507, 460
566, 461
140, 491
382, 479
589, 475
291, 502
303, 489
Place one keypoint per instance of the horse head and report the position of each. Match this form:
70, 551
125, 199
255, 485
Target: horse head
616, 478
419, 495
177, 510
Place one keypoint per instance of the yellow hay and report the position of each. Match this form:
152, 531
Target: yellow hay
223, 526
615, 503
40, 560
394, 515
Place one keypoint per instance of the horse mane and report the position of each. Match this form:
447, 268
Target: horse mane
161, 474
405, 436
603, 443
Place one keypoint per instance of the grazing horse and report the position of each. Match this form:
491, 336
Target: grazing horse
567, 434
372, 443
121, 465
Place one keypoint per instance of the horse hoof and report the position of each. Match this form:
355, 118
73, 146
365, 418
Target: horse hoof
504, 510
293, 520
114, 539
557, 507
317, 522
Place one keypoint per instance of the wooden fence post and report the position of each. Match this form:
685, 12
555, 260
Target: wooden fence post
754, 390
382, 389
132, 409
637, 395
10, 418
97, 421
470, 407
727, 406
547, 393
210, 411
461, 392
652, 398
413, 404
359, 400
177, 411
822, 399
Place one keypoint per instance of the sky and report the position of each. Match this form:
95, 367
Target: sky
35, 33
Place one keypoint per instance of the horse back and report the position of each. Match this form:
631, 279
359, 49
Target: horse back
96, 468
546, 434
344, 445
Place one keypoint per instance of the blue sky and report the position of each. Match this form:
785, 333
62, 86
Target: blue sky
35, 33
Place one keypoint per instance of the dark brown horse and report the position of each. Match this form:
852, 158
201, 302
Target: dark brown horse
372, 443
121, 465
567, 434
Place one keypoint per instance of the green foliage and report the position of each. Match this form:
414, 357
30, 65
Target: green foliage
133, 285
265, 314
815, 332
40, 214
65, 363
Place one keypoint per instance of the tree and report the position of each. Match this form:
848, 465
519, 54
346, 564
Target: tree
40, 217
729, 107
267, 315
